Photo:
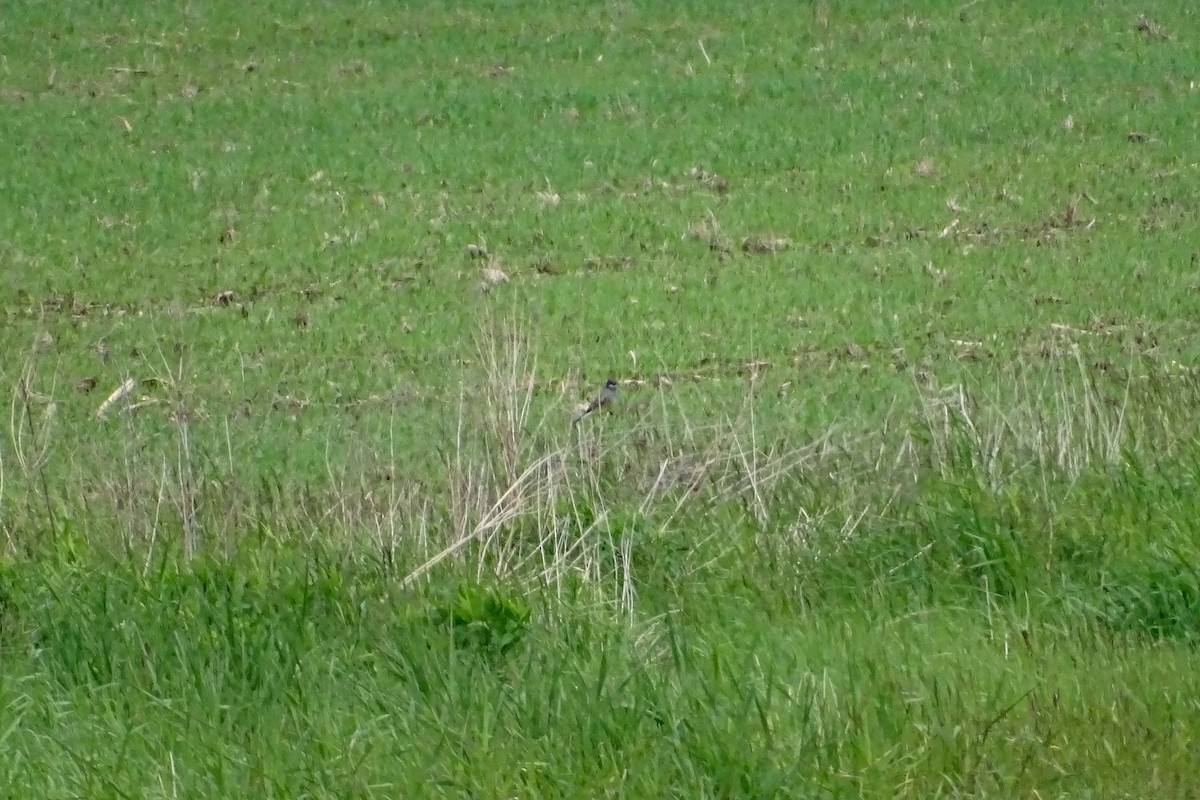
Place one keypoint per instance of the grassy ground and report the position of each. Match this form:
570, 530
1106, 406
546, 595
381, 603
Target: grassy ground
900, 494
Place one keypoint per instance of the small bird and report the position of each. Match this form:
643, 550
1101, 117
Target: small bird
606, 398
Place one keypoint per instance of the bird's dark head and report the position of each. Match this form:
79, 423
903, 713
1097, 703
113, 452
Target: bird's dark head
611, 383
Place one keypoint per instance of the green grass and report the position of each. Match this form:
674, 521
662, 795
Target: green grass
899, 498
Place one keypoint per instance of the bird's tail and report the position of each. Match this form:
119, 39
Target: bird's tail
585, 410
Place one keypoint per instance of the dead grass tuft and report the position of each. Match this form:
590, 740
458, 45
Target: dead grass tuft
765, 244
1152, 29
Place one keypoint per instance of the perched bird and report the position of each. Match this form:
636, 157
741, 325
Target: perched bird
605, 399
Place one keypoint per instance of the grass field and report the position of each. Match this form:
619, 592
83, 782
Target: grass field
899, 498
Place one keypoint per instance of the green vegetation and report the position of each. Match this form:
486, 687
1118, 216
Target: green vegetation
900, 497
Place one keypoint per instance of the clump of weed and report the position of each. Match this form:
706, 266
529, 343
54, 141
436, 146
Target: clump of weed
483, 619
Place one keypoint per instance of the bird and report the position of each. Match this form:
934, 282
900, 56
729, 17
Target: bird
605, 400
